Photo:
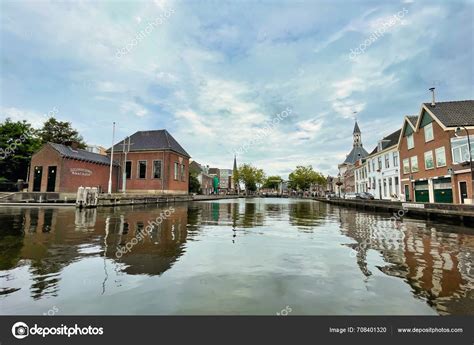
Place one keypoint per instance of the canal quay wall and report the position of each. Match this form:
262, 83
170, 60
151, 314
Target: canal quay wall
453, 212
69, 199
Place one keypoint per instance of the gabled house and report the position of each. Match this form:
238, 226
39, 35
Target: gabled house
383, 168
155, 163
434, 154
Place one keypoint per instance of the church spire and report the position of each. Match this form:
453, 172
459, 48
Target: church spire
357, 136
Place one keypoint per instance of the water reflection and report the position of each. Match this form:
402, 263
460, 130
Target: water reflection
434, 260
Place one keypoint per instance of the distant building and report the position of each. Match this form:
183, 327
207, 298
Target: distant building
97, 149
225, 178
203, 176
156, 163
346, 169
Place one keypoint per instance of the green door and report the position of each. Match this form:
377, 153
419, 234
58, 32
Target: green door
443, 191
421, 191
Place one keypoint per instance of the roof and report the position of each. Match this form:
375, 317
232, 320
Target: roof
152, 140
356, 153
356, 128
454, 113
413, 119
389, 140
195, 167
80, 154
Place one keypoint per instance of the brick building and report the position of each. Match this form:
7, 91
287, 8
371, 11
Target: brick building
434, 161
64, 168
156, 163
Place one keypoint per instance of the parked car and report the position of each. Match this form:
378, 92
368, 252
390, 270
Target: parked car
365, 195
352, 196
331, 195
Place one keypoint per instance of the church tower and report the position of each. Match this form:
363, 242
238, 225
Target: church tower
357, 135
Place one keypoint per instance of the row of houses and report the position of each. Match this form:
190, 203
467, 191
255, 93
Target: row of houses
428, 159
214, 180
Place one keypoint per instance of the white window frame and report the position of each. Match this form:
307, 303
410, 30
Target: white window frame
410, 141
444, 156
426, 155
413, 160
425, 129
406, 166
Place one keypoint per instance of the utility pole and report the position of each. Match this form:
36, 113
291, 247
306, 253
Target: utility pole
126, 149
109, 190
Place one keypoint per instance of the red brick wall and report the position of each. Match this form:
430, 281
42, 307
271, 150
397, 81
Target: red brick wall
166, 183
66, 181
441, 138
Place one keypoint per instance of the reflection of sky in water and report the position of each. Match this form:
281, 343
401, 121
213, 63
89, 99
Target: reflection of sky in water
232, 257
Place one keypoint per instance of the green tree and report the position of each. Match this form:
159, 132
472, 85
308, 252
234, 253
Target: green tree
18, 142
251, 177
272, 182
304, 176
59, 132
194, 185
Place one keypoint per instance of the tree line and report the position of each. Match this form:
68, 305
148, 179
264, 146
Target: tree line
19, 141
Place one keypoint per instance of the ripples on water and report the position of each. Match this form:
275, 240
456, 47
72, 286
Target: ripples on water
252, 256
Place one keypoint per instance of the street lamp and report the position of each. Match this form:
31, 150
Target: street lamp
339, 184
458, 133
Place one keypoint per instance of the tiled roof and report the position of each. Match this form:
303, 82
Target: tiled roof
453, 114
152, 140
389, 140
413, 119
79, 154
357, 153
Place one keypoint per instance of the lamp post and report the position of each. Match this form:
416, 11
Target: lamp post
109, 189
339, 184
457, 133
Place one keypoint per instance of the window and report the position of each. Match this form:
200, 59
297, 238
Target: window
368, 165
373, 165
183, 168
410, 142
128, 169
395, 159
440, 157
390, 186
387, 161
428, 132
157, 169
461, 150
396, 185
414, 164
379, 161
429, 163
141, 169
385, 187
406, 166
176, 173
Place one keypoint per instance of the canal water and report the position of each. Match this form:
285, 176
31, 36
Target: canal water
234, 256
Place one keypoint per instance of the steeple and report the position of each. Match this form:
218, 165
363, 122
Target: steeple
234, 175
357, 136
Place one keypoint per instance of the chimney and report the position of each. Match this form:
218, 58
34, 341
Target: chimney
433, 103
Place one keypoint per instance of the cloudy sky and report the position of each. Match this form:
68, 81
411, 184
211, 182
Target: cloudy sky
214, 73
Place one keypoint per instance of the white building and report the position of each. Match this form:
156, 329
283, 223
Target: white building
361, 176
383, 169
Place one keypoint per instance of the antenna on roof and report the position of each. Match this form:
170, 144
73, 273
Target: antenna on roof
433, 103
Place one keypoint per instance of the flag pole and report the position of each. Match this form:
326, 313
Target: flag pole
111, 160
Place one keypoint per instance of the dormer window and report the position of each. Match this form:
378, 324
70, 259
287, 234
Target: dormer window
379, 147
428, 132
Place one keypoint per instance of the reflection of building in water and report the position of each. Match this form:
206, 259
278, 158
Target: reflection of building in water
55, 238
428, 259
235, 214
306, 215
157, 252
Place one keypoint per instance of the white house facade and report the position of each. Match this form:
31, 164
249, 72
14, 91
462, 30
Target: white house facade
383, 169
